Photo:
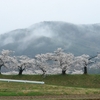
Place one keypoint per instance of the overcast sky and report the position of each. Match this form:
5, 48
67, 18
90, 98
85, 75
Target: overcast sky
16, 14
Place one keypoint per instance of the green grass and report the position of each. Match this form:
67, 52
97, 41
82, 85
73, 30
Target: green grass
85, 81
54, 85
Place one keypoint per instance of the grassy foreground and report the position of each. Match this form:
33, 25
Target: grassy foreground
54, 85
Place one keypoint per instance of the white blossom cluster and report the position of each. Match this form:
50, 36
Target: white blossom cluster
48, 62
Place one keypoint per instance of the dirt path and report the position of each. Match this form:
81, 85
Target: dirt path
50, 97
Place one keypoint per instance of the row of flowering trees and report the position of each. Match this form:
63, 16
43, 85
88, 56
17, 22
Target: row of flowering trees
59, 58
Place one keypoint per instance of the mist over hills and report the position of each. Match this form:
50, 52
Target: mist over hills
47, 36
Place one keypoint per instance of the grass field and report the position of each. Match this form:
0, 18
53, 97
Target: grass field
54, 85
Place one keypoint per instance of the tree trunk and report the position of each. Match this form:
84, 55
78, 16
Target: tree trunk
0, 70
20, 72
44, 73
63, 72
85, 70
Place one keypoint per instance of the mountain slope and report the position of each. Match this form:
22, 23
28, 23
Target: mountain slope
48, 36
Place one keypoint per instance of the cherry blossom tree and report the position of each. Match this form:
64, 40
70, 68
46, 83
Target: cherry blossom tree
64, 59
15, 62
96, 65
41, 62
1, 64
22, 62
4, 58
83, 61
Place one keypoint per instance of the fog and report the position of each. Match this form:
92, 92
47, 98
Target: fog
48, 36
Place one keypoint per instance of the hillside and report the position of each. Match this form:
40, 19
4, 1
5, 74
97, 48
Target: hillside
49, 35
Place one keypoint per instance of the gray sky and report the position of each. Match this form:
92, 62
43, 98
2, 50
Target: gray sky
16, 14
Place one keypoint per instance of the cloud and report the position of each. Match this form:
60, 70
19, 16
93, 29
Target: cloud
41, 29
8, 40
48, 36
